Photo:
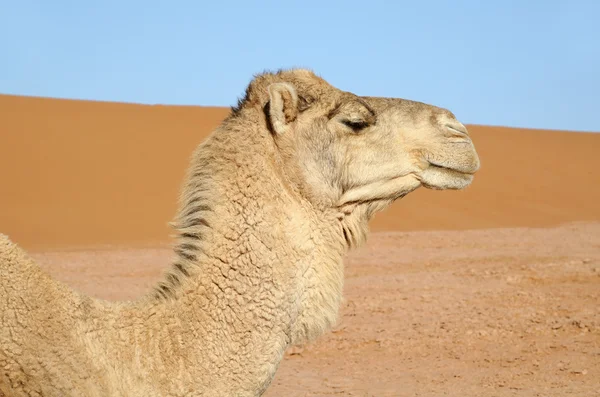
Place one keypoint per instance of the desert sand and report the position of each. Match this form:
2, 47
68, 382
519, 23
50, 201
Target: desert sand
489, 312
491, 291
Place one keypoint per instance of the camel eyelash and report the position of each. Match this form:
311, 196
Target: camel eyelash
355, 125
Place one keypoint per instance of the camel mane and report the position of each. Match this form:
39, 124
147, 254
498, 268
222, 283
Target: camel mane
191, 224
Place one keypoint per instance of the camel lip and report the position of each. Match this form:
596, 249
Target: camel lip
445, 167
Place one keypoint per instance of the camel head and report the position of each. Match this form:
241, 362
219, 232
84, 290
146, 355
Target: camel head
346, 150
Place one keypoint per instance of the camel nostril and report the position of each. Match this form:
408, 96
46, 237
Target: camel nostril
457, 127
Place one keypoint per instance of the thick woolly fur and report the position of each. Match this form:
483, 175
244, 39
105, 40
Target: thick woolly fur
272, 201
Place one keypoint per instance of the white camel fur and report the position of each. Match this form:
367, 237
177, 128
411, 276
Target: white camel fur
272, 202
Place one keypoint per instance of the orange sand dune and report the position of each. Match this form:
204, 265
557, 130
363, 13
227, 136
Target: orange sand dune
90, 173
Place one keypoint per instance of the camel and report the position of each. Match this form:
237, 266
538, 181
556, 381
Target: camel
272, 202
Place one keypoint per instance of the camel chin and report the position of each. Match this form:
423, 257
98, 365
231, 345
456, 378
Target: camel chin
440, 178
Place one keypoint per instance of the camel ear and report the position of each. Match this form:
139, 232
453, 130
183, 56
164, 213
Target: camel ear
283, 106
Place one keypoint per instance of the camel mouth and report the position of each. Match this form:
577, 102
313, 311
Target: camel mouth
441, 177
452, 169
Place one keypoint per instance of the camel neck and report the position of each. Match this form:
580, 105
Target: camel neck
227, 324
256, 271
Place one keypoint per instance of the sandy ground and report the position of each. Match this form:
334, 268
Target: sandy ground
494, 312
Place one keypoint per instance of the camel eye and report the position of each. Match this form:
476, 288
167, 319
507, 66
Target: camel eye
356, 125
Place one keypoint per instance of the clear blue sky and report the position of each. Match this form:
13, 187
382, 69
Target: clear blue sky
526, 63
